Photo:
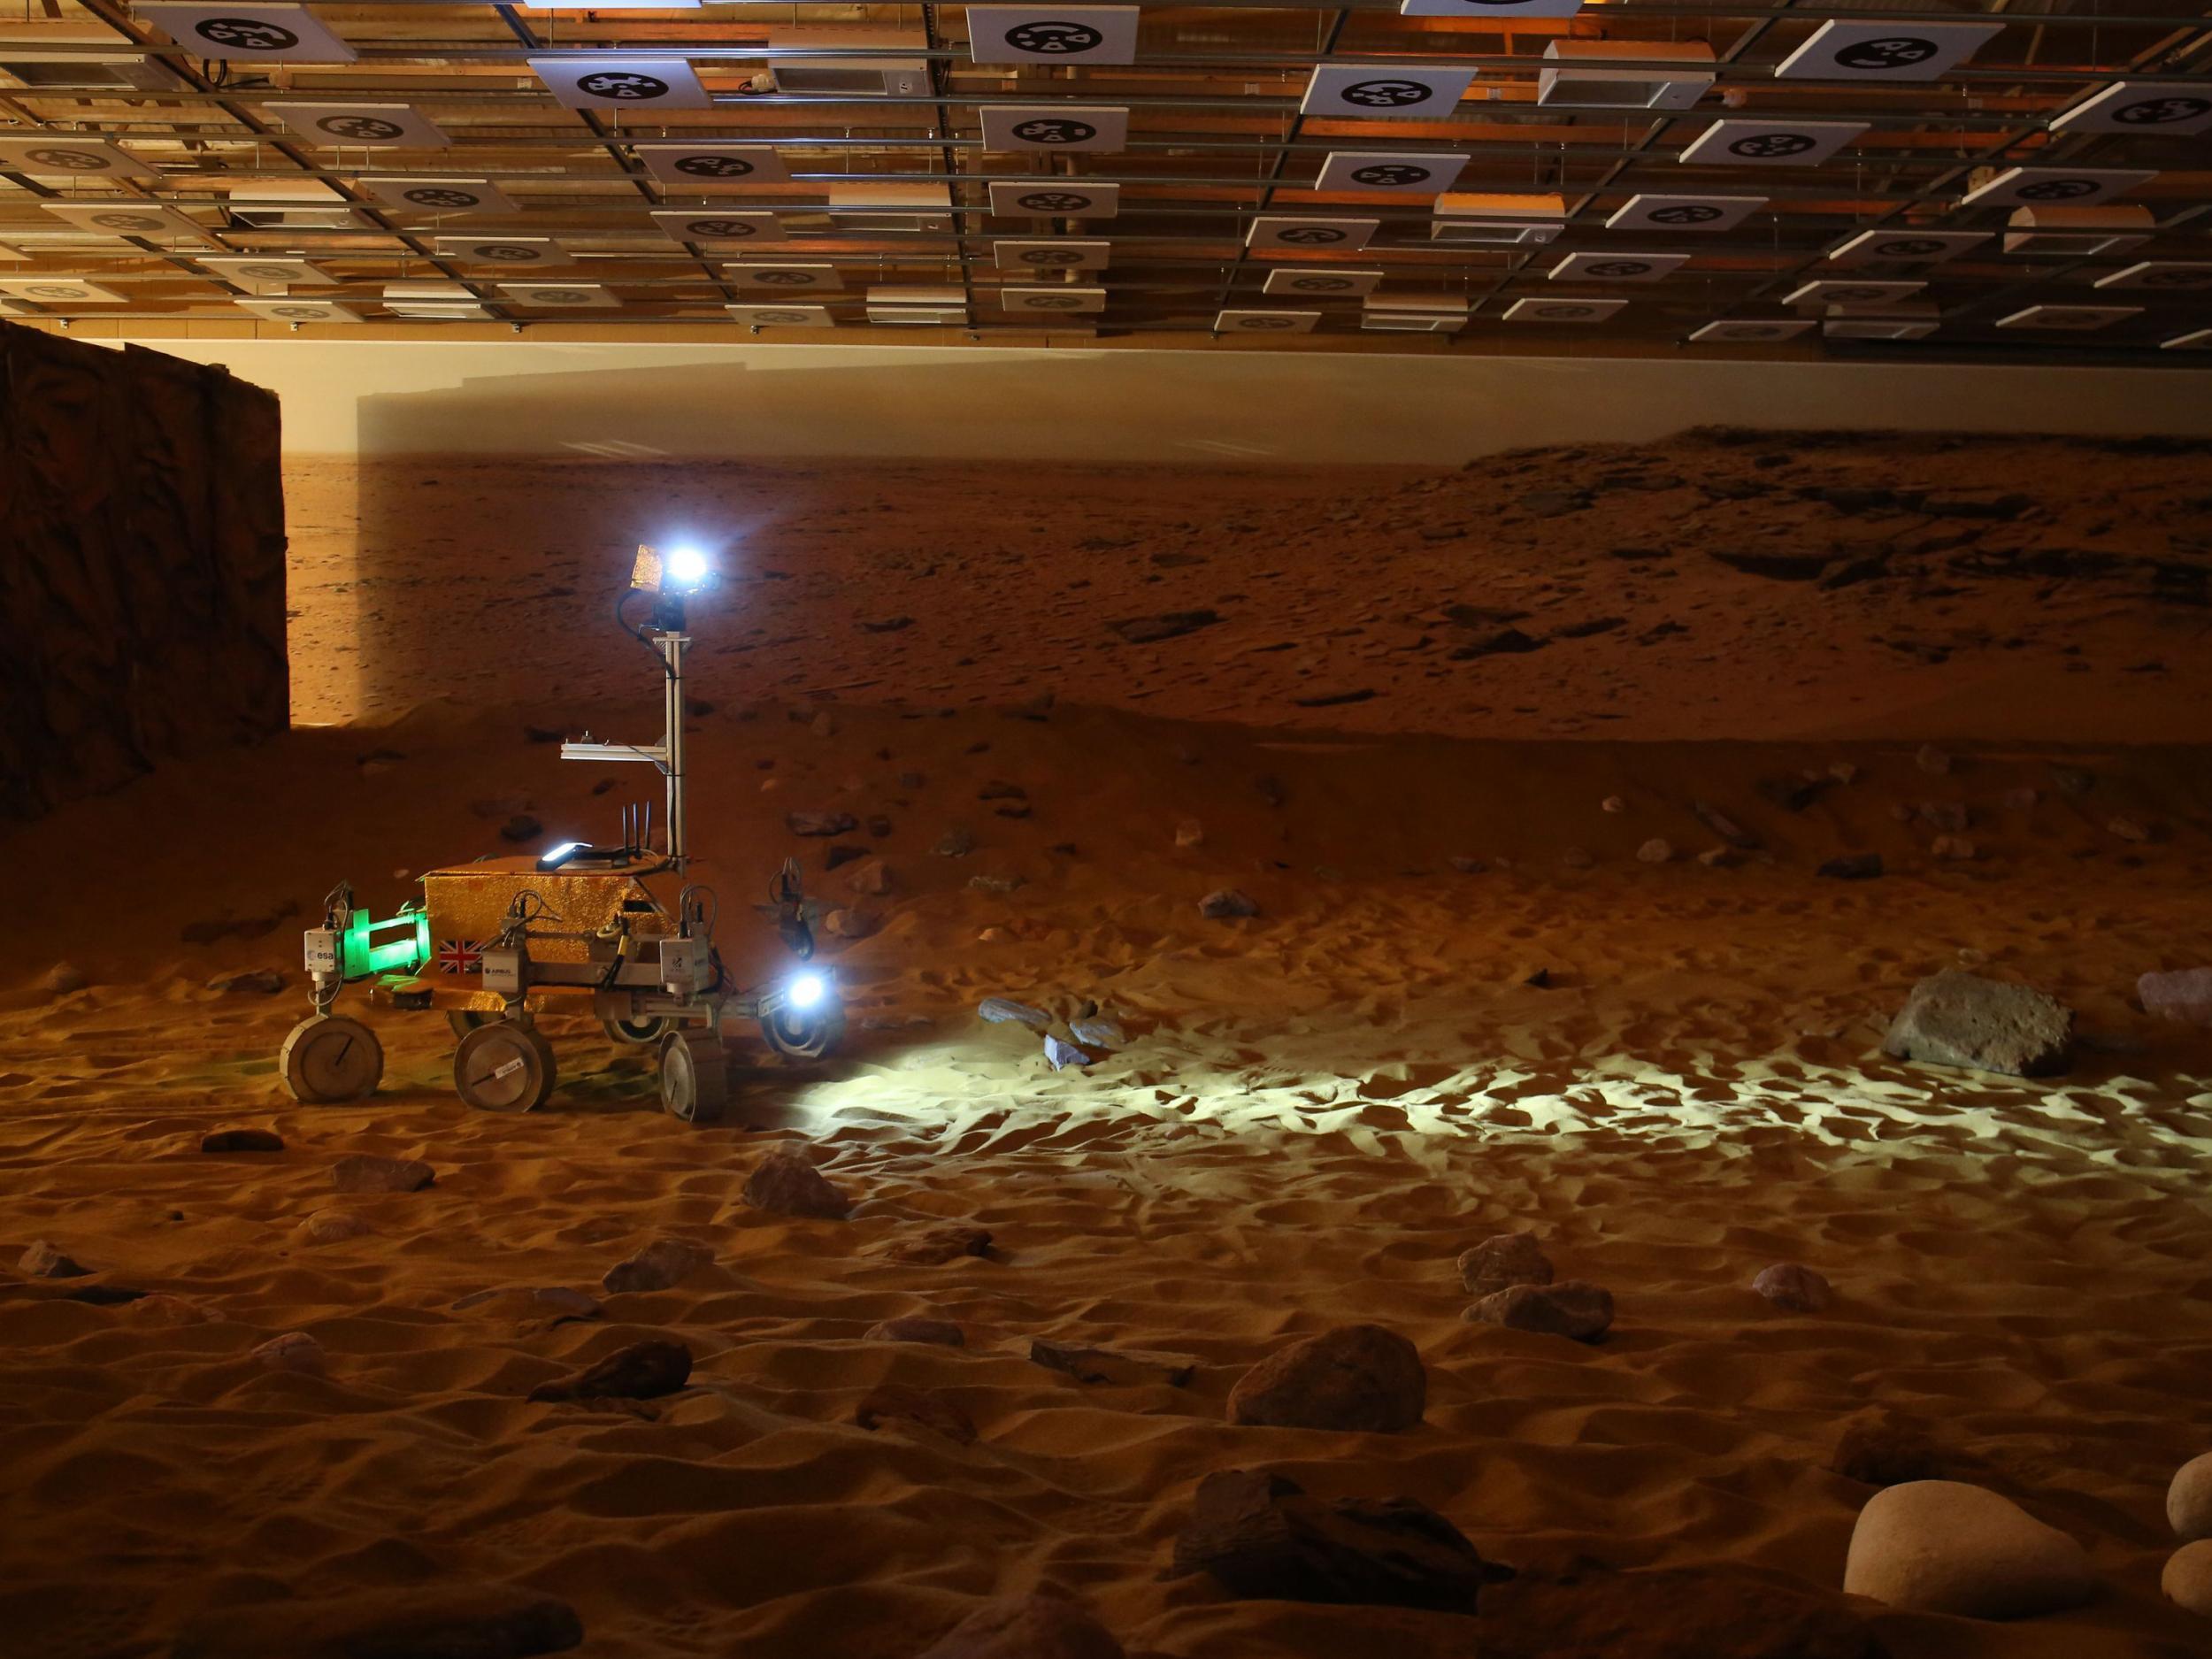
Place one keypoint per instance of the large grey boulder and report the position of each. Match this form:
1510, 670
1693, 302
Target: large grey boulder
1944, 1547
1955, 1018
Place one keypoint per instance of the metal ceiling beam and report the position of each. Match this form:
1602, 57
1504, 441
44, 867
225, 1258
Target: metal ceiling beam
611, 143
1991, 156
108, 14
1614, 11
1333, 30
1950, 125
1097, 78
456, 94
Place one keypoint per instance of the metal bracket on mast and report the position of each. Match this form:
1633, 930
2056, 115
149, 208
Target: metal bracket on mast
668, 754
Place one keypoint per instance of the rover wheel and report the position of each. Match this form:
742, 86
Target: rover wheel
465, 1020
694, 1077
639, 1032
504, 1066
805, 1036
329, 1059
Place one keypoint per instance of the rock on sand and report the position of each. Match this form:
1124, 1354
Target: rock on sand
1259, 1536
2189, 1500
1354, 1376
1511, 1258
1794, 1287
1953, 1018
1572, 1308
1944, 1547
2184, 998
2187, 1581
661, 1265
786, 1183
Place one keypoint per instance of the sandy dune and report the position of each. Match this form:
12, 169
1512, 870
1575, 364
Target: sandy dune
1318, 1108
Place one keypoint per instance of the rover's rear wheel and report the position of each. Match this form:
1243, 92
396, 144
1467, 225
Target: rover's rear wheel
329, 1059
639, 1032
504, 1066
465, 1020
694, 1076
805, 1034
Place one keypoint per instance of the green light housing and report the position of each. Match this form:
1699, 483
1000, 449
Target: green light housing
399, 945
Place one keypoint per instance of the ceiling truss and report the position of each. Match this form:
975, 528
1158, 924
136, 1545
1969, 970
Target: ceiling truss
1230, 122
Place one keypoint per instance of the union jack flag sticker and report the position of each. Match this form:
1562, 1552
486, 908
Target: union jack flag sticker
460, 956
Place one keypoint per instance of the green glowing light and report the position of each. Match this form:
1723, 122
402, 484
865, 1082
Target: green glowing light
399, 945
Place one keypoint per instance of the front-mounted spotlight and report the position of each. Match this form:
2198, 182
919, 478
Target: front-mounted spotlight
686, 570
804, 1016
670, 577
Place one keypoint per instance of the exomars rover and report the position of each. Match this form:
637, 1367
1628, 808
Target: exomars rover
628, 927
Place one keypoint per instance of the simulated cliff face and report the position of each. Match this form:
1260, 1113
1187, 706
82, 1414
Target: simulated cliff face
142, 565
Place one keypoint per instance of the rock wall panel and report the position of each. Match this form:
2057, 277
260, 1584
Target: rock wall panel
142, 565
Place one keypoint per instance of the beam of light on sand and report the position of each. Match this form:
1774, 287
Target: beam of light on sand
968, 1098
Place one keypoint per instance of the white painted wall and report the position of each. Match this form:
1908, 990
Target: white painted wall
1121, 405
